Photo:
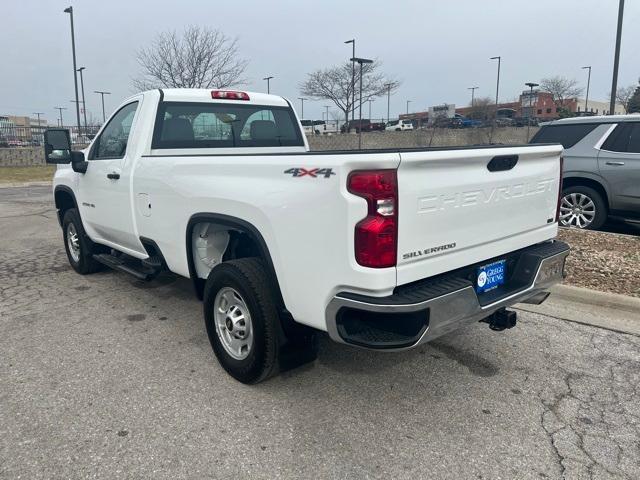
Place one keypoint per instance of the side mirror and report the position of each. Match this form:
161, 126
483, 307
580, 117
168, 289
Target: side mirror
78, 163
57, 146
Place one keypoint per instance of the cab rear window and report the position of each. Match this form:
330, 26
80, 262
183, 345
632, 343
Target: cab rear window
567, 135
224, 125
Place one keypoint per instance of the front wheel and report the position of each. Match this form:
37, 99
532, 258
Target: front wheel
79, 247
582, 207
242, 319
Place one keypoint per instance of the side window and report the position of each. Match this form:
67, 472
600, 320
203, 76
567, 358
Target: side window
568, 134
112, 142
634, 141
618, 140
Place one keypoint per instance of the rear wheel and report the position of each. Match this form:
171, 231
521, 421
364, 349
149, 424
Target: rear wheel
582, 207
242, 319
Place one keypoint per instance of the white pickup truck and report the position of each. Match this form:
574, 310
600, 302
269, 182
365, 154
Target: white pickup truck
382, 249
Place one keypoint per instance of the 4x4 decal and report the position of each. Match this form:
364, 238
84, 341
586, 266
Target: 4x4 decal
312, 172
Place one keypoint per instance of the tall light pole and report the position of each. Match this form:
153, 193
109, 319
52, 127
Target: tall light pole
327, 111
497, 81
360, 61
370, 102
586, 100
60, 110
38, 114
388, 85
268, 87
102, 94
473, 90
408, 102
84, 105
69, 10
531, 85
616, 61
302, 99
353, 78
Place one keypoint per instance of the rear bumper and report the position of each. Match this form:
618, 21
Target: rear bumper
425, 310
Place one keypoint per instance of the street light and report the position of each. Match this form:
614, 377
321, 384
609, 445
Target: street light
388, 85
69, 10
616, 61
267, 79
38, 114
327, 108
84, 105
302, 99
102, 94
370, 102
360, 61
353, 78
408, 102
498, 80
531, 85
60, 109
586, 100
473, 90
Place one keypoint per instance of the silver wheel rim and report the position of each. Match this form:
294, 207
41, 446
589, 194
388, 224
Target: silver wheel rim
577, 210
233, 323
73, 242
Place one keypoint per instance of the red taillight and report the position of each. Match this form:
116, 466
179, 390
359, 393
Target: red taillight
559, 191
376, 236
229, 95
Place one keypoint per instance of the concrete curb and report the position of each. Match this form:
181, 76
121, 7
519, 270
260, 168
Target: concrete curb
25, 184
611, 311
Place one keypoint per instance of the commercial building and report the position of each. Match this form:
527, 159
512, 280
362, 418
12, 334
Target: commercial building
16, 129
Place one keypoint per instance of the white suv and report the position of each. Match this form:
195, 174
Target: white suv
399, 125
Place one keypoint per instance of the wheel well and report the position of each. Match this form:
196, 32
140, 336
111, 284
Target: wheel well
586, 182
226, 238
64, 200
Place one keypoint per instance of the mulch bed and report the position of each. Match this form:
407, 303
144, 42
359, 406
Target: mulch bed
603, 261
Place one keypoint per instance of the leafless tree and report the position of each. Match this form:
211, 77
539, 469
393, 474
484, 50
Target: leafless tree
561, 89
624, 96
199, 57
483, 108
334, 84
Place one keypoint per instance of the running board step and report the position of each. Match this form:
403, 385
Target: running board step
117, 263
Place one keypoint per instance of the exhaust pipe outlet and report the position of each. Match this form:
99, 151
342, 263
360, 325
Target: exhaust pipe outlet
501, 319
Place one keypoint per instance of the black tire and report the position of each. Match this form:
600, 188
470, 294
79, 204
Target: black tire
248, 277
601, 211
84, 263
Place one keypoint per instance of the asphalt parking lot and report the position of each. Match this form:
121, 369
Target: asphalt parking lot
105, 377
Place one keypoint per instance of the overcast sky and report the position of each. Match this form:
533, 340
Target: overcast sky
437, 48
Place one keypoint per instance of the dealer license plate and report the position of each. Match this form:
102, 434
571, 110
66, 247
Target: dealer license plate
491, 276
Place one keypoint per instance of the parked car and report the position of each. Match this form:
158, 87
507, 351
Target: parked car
377, 126
326, 128
383, 250
524, 121
399, 125
356, 125
601, 174
311, 127
464, 122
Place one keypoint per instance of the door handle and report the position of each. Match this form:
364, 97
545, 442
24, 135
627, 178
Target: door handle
615, 164
113, 176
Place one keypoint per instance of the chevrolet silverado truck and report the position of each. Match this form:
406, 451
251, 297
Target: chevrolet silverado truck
382, 249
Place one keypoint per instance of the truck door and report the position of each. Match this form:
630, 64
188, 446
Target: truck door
619, 164
104, 190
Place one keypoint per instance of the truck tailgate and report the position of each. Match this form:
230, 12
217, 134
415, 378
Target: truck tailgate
459, 207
